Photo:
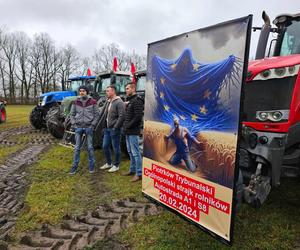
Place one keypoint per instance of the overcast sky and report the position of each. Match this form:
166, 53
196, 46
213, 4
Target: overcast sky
88, 24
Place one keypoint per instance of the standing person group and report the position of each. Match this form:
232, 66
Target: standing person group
118, 116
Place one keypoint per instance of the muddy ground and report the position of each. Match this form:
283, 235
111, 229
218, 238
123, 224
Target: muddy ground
74, 232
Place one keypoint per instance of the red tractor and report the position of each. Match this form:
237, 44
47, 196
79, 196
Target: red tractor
2, 111
270, 144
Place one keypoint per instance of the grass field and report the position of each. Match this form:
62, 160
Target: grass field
53, 193
17, 115
7, 150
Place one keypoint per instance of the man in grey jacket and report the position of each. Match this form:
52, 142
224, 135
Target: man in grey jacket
115, 116
84, 116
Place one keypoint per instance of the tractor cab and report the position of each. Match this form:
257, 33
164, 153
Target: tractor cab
269, 147
140, 79
75, 82
106, 78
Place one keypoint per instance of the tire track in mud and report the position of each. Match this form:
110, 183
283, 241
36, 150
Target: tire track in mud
13, 184
8, 132
37, 136
77, 232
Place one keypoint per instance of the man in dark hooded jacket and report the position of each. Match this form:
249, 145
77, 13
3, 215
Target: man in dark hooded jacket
84, 116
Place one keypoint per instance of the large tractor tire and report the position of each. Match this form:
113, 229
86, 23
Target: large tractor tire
55, 122
37, 117
2, 114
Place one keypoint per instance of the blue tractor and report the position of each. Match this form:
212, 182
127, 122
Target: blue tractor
48, 100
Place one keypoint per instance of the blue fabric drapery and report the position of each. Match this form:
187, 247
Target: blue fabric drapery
190, 91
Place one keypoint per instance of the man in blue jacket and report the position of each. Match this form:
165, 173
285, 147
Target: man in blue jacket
84, 116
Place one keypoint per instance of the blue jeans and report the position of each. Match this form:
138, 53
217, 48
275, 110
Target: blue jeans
177, 157
78, 139
112, 137
132, 144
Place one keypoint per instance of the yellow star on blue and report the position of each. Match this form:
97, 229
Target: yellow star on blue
173, 66
161, 95
196, 66
207, 94
166, 107
203, 110
194, 117
182, 117
162, 80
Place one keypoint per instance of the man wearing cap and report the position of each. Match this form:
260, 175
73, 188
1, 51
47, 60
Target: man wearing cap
84, 116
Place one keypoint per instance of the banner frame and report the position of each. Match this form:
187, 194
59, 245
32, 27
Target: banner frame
236, 170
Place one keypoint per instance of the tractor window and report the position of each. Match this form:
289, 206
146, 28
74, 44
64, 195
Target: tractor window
105, 82
120, 83
75, 84
141, 83
291, 40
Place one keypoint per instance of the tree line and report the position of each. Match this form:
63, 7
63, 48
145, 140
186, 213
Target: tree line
31, 66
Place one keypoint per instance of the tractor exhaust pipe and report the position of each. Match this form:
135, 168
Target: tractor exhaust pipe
264, 36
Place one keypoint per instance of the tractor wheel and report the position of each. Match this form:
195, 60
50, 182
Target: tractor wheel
2, 115
54, 122
37, 117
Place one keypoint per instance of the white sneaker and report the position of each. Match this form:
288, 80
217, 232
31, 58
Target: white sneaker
106, 166
113, 169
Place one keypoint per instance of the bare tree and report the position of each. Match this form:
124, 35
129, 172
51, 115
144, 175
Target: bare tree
69, 62
8, 47
24, 69
45, 62
29, 67
2, 65
103, 58
140, 61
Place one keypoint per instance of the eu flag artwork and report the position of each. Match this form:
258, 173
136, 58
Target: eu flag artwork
192, 120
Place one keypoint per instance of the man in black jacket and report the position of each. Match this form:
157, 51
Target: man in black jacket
132, 129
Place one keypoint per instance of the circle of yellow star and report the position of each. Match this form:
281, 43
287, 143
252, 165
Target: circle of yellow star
166, 107
207, 94
173, 66
196, 66
162, 80
194, 117
182, 117
203, 110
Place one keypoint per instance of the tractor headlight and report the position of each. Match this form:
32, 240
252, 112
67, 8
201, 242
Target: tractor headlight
263, 139
43, 103
292, 69
266, 73
276, 116
277, 73
280, 71
262, 116
273, 115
